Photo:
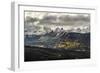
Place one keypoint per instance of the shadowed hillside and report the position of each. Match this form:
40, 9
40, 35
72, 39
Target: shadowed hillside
40, 54
56, 47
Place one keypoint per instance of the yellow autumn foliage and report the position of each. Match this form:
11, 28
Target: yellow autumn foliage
68, 44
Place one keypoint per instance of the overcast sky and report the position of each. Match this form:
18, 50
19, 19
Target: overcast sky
66, 20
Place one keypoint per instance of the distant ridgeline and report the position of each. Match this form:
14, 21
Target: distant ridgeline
60, 39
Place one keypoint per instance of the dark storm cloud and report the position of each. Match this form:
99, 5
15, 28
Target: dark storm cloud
74, 18
65, 19
68, 19
48, 19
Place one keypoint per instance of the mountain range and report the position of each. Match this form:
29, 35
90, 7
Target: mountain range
49, 40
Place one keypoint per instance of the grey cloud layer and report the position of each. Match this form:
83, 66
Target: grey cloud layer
60, 18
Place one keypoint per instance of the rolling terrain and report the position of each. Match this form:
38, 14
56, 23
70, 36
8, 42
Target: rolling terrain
57, 46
